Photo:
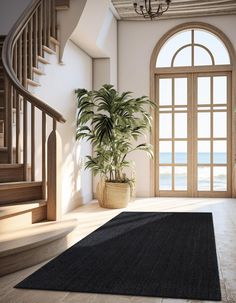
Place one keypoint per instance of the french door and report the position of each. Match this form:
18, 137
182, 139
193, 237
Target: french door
193, 135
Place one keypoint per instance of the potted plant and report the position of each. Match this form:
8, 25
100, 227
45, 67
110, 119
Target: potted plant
112, 123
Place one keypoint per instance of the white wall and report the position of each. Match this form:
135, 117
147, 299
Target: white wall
68, 20
57, 88
10, 11
107, 40
96, 34
101, 72
136, 41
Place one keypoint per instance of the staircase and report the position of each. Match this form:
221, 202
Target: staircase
29, 144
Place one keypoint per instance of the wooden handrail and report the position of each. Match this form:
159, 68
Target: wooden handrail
7, 55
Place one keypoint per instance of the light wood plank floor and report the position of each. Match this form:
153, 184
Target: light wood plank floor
91, 216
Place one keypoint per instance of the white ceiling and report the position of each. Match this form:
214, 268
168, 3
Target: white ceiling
180, 9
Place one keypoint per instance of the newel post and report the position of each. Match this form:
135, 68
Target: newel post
54, 175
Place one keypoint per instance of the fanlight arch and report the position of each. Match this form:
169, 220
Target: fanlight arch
193, 45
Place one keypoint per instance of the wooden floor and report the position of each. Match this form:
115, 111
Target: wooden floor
91, 216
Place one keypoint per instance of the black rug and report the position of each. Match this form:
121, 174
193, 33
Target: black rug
142, 254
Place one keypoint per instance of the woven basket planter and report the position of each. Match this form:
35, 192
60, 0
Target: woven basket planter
113, 195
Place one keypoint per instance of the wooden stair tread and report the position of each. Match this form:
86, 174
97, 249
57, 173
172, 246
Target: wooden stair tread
62, 4
4, 154
43, 60
54, 41
10, 165
38, 71
34, 236
12, 191
21, 184
3, 149
49, 50
33, 83
13, 209
11, 172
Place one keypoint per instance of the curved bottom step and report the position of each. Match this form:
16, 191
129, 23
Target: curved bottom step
33, 245
16, 216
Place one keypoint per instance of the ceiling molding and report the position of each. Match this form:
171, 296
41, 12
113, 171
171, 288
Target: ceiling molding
179, 9
114, 10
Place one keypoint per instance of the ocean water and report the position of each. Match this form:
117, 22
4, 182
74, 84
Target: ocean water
203, 158
203, 173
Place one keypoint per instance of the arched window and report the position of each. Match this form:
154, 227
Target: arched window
193, 47
191, 82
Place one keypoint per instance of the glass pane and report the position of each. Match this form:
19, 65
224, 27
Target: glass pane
204, 152
219, 125
203, 126
219, 152
214, 44
204, 90
165, 91
165, 152
165, 125
171, 46
180, 178
181, 152
181, 125
184, 57
220, 178
165, 179
220, 90
181, 91
201, 56
203, 178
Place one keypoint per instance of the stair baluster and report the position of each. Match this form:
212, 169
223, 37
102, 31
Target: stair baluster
32, 142
9, 121
44, 186
53, 21
40, 30
35, 38
18, 129
25, 138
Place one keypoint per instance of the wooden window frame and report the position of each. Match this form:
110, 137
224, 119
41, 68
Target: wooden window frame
171, 71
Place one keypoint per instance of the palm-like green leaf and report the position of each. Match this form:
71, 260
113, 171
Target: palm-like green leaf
111, 122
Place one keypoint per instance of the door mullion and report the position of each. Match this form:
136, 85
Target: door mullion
193, 138
211, 139
173, 136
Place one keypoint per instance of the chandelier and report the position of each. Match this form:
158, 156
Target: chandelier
145, 9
